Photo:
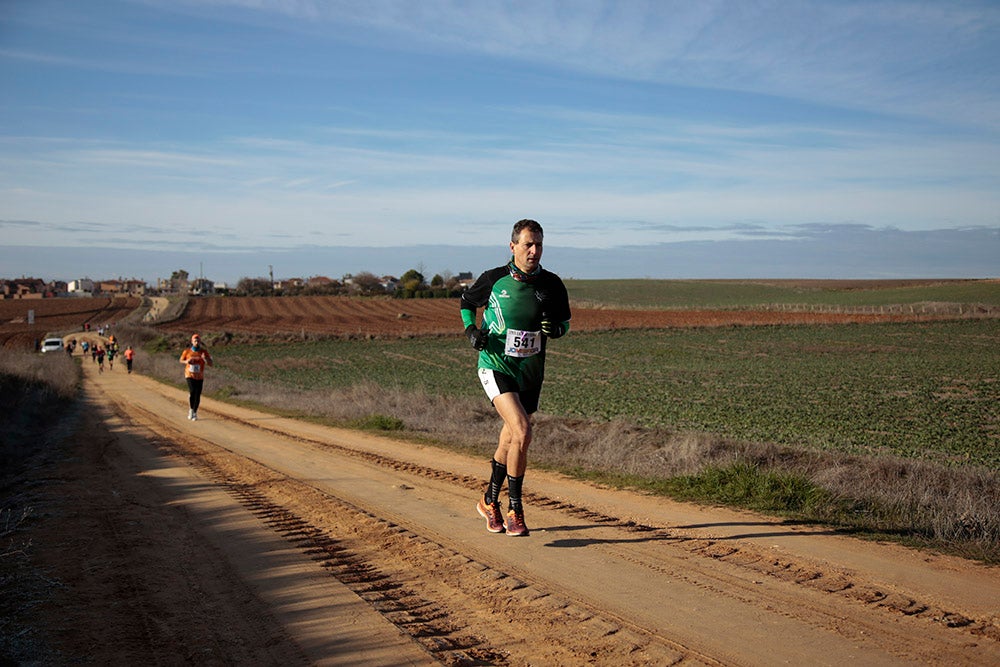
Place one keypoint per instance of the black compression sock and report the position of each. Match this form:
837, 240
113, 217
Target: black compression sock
514, 492
498, 474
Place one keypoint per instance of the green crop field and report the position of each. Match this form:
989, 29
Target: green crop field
923, 390
747, 294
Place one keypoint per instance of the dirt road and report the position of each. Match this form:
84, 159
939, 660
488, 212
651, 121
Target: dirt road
248, 538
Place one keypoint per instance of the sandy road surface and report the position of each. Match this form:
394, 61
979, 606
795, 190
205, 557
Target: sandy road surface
275, 541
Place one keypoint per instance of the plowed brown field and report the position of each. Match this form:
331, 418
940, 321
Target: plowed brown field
345, 316
57, 316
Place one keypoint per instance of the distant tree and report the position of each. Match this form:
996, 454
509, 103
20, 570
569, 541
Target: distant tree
328, 289
367, 284
412, 281
253, 287
437, 281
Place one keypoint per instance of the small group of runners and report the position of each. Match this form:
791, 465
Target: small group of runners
109, 350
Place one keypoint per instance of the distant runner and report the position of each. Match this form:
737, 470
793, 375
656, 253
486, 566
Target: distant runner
129, 356
525, 306
195, 358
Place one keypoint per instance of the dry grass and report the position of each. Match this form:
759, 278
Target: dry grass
40, 410
38, 392
54, 372
128, 333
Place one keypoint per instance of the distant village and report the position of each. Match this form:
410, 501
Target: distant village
412, 284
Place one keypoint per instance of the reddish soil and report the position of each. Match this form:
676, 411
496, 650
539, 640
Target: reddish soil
345, 316
56, 317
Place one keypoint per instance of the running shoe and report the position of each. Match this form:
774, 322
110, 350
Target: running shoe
190, 414
194, 416
515, 524
492, 514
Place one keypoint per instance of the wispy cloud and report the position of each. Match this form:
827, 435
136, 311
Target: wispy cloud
97, 64
924, 59
386, 122
931, 59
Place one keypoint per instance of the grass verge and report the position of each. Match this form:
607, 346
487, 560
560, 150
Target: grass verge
947, 508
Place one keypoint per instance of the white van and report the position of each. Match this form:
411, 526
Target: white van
52, 345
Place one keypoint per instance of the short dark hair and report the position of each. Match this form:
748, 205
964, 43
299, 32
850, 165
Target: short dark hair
521, 225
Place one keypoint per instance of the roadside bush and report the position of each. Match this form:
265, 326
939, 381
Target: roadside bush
747, 485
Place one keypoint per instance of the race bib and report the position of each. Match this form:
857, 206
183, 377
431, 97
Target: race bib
194, 368
523, 343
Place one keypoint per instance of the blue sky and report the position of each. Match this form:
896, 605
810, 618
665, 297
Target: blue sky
651, 139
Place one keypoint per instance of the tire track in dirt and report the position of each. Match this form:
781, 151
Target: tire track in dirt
842, 584
797, 576
358, 559
715, 577
119, 573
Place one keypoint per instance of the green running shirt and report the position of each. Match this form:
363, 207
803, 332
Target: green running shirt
514, 310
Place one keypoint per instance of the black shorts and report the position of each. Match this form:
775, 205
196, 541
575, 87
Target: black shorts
496, 383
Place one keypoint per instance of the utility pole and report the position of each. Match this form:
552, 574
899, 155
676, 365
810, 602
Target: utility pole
270, 272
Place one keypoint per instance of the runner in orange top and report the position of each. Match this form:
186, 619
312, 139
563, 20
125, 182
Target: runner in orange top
195, 358
129, 356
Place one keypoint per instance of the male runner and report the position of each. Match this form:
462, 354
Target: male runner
525, 306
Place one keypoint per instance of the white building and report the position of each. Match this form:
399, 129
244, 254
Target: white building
82, 287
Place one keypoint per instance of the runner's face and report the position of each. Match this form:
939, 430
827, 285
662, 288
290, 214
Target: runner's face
527, 251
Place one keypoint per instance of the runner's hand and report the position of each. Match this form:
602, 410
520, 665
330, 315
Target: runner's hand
552, 329
477, 336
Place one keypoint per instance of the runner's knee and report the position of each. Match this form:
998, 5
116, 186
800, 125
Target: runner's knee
520, 432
